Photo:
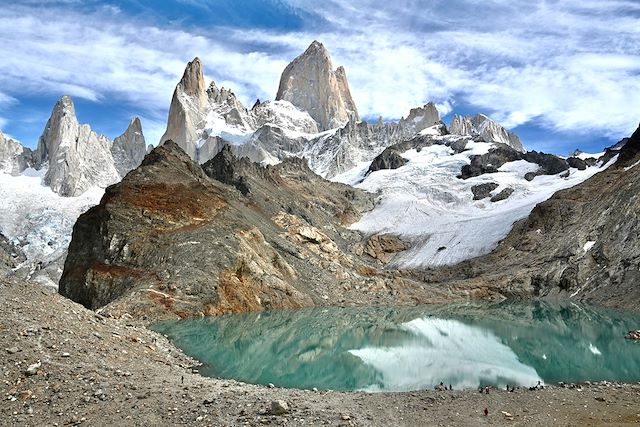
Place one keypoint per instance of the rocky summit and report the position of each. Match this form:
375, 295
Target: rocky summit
174, 239
311, 84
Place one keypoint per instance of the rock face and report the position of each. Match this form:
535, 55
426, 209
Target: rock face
77, 157
311, 84
170, 241
188, 110
388, 159
129, 149
482, 191
485, 129
14, 158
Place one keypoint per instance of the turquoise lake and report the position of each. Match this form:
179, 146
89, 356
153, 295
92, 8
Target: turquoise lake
401, 349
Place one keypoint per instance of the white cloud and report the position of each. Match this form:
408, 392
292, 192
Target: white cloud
570, 66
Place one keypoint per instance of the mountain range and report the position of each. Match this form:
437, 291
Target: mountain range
298, 202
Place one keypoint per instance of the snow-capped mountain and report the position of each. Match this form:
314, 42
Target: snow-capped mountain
314, 116
443, 195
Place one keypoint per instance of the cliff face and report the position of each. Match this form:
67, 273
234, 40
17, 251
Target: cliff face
311, 84
177, 240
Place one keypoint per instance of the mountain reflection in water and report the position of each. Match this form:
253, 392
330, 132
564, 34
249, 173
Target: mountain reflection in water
400, 349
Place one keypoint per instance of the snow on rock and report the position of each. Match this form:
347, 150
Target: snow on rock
425, 203
587, 246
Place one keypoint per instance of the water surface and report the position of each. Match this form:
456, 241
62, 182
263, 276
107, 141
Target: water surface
400, 349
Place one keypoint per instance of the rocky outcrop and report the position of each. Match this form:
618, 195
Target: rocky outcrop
14, 158
482, 191
311, 84
11, 256
388, 159
483, 128
171, 241
77, 157
129, 149
420, 119
384, 247
502, 195
549, 164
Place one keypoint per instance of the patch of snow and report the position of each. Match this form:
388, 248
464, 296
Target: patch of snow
633, 165
587, 246
425, 203
432, 130
585, 156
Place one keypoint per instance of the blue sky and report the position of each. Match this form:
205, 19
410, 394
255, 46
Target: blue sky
562, 74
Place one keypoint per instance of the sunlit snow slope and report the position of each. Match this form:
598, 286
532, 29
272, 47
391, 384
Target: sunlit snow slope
425, 203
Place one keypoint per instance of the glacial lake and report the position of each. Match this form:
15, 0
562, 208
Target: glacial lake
402, 349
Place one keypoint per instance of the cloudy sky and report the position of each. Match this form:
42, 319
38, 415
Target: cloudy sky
562, 74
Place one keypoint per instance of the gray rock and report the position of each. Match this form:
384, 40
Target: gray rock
482, 191
279, 407
577, 163
13, 350
14, 158
504, 194
129, 149
33, 369
388, 159
310, 83
77, 157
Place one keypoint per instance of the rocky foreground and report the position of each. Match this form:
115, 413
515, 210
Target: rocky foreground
65, 365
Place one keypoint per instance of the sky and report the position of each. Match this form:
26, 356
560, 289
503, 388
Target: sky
562, 74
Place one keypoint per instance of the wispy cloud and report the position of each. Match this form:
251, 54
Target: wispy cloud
569, 66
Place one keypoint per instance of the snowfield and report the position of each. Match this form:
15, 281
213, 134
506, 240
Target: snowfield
37, 219
425, 204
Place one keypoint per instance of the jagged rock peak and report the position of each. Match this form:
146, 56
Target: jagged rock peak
310, 83
485, 129
78, 158
14, 158
129, 149
192, 82
423, 117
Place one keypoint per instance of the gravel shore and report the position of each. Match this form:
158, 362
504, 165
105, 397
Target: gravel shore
65, 365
